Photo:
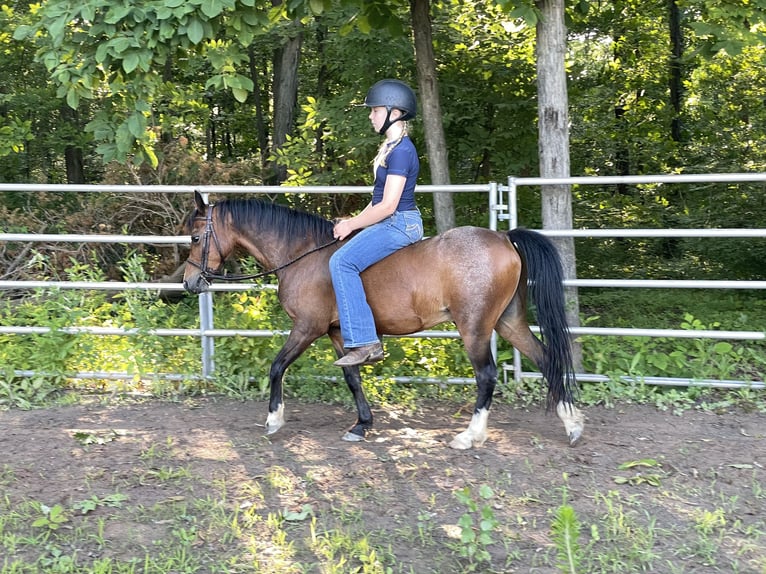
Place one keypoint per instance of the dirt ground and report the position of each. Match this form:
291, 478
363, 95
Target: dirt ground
702, 504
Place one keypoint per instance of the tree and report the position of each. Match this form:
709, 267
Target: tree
286, 59
428, 83
113, 52
553, 122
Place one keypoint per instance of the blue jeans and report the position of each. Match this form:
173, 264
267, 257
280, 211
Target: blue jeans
369, 246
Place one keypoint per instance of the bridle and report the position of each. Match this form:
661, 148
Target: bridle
209, 274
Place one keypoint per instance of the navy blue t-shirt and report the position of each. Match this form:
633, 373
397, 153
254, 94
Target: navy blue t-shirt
403, 160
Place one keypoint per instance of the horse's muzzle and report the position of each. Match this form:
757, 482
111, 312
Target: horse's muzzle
196, 284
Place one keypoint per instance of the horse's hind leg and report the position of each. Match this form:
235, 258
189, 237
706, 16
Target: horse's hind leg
514, 328
480, 354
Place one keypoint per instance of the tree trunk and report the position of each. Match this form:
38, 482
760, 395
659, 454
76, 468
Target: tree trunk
676, 72
260, 124
436, 144
286, 60
553, 147
621, 54
73, 159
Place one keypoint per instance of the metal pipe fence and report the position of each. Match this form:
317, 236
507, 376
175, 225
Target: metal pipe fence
502, 208
505, 202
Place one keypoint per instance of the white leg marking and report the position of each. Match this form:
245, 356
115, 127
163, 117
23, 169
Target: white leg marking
275, 420
573, 420
476, 433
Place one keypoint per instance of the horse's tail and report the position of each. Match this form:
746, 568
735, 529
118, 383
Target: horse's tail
546, 291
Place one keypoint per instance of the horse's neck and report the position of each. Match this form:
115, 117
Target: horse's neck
272, 253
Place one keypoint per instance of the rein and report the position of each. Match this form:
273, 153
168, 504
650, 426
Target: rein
208, 274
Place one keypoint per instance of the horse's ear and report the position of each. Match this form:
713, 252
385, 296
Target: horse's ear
201, 205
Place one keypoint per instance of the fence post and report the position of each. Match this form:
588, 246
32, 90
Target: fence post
513, 223
205, 324
206, 321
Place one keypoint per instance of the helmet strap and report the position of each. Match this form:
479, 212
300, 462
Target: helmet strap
389, 122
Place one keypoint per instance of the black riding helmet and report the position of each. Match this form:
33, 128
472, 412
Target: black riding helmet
392, 94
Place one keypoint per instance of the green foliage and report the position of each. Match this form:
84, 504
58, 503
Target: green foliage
53, 517
642, 476
477, 526
694, 358
26, 392
565, 531
90, 504
58, 354
243, 362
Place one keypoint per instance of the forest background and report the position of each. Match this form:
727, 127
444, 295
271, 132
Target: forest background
229, 92
250, 93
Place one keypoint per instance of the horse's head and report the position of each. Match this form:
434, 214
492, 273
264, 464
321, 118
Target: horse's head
209, 246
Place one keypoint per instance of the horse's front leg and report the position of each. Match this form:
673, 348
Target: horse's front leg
295, 345
486, 379
354, 381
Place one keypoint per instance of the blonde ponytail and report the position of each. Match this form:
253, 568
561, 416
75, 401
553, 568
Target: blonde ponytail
386, 148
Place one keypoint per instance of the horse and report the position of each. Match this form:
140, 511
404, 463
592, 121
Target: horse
475, 277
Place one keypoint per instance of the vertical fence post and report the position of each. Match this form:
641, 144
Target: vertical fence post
205, 324
206, 321
493, 207
513, 223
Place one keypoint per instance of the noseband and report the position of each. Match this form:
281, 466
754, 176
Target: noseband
209, 274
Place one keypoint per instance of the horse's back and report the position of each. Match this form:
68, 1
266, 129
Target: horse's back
427, 282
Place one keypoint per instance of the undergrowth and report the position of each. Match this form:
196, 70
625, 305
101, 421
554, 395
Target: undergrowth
40, 367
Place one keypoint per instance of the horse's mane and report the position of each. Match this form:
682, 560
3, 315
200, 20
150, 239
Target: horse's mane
286, 222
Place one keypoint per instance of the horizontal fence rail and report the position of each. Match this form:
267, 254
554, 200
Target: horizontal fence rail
504, 202
502, 207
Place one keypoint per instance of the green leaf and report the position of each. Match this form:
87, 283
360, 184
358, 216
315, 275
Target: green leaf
363, 24
120, 44
137, 125
485, 539
56, 30
130, 62
72, 98
722, 347
485, 491
117, 13
644, 462
487, 525
195, 31
212, 8
151, 155
240, 95
22, 32
566, 531
316, 6
291, 516
88, 12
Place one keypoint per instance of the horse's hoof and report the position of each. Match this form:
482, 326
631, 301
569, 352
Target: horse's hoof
574, 437
461, 442
275, 420
351, 437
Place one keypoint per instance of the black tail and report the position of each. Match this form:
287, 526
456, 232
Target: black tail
545, 275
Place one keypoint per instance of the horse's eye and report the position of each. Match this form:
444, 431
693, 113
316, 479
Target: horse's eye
194, 239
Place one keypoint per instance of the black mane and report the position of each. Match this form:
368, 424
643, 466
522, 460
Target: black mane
256, 214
